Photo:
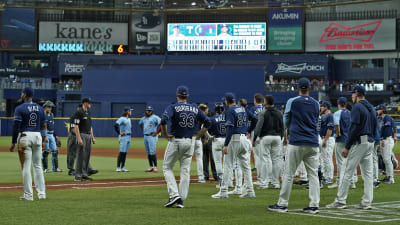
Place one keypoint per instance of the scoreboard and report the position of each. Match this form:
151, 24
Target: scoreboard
216, 37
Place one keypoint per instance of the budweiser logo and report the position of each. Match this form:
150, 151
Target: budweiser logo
298, 68
361, 33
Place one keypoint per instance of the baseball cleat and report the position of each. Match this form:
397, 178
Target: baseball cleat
58, 170
278, 208
353, 186
22, 198
388, 180
92, 172
220, 195
124, 170
155, 170
276, 186
333, 186
77, 179
336, 205
84, 178
118, 169
149, 170
235, 192
179, 204
376, 184
172, 201
364, 207
42, 198
248, 195
313, 210
300, 182
46, 171
71, 173
202, 181
262, 187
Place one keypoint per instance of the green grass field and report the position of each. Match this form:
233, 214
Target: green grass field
144, 205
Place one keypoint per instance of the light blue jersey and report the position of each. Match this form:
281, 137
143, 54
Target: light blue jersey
150, 124
125, 125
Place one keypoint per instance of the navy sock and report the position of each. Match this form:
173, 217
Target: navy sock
154, 157
123, 159
150, 160
119, 160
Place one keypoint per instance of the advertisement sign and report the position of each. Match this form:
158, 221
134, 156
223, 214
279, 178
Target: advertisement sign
81, 36
72, 68
355, 35
147, 31
217, 37
285, 30
17, 29
298, 68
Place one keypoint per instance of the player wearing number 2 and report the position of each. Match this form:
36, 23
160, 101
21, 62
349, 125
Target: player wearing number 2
183, 117
30, 132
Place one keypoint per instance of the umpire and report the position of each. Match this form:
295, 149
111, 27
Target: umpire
72, 144
84, 134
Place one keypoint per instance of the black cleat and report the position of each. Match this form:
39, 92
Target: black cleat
84, 178
172, 201
71, 173
300, 182
92, 172
179, 204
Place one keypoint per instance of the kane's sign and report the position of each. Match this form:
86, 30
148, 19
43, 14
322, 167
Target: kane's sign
357, 35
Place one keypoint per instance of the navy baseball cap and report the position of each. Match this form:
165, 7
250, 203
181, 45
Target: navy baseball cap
358, 89
342, 100
88, 100
229, 96
304, 83
149, 108
381, 107
326, 104
182, 90
127, 109
28, 91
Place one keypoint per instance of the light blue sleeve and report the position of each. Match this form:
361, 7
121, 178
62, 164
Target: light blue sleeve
141, 121
336, 117
119, 121
157, 120
287, 115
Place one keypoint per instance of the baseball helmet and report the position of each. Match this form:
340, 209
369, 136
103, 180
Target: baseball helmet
219, 107
48, 104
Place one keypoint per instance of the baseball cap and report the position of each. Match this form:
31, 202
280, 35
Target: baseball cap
381, 107
149, 108
48, 104
28, 91
182, 90
342, 100
304, 83
88, 100
358, 89
229, 96
127, 109
224, 25
326, 104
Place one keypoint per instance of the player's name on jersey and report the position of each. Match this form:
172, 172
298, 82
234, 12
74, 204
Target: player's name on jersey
33, 108
220, 118
186, 108
240, 110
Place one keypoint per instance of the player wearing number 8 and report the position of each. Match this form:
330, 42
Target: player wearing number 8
183, 117
30, 132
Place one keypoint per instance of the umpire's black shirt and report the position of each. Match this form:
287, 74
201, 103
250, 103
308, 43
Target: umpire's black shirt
84, 120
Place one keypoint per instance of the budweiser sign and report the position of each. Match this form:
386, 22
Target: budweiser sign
362, 32
298, 68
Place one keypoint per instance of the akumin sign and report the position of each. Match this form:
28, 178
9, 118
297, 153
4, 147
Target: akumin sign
355, 35
81, 36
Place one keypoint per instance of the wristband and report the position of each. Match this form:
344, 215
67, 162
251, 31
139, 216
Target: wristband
43, 133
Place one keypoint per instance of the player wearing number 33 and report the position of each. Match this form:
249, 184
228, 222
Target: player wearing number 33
182, 117
30, 132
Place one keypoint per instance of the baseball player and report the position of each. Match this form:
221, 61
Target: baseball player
30, 133
358, 150
150, 125
327, 134
217, 132
84, 135
388, 139
236, 145
183, 117
51, 137
258, 148
301, 120
269, 130
198, 150
342, 124
377, 145
123, 126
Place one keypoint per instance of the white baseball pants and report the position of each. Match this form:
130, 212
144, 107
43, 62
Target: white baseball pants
217, 146
327, 160
198, 149
387, 155
270, 149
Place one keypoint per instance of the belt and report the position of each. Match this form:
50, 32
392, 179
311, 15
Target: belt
125, 134
86, 133
50, 132
177, 137
240, 134
147, 134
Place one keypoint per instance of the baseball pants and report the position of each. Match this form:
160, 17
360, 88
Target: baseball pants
237, 172
51, 145
82, 162
217, 146
178, 150
270, 149
208, 159
327, 160
150, 144
375, 163
284, 154
387, 155
302, 172
124, 143
358, 154
198, 150
72, 147
239, 148
339, 163
309, 155
30, 144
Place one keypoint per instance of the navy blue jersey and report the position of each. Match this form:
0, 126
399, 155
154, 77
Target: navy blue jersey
327, 123
251, 119
363, 122
31, 116
257, 109
387, 127
301, 117
342, 119
183, 118
217, 128
236, 117
50, 121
